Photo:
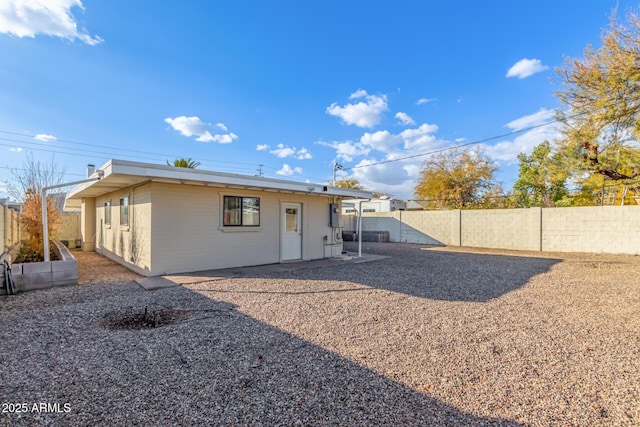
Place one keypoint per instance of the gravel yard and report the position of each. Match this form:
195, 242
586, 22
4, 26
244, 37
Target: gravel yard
428, 336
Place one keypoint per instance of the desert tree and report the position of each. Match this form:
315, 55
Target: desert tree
456, 179
601, 91
349, 182
26, 187
541, 178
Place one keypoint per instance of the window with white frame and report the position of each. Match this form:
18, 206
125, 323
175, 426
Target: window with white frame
241, 211
124, 210
107, 212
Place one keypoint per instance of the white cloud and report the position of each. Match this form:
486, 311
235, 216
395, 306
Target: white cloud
4, 189
362, 114
193, 126
420, 138
219, 138
283, 151
382, 140
288, 171
405, 119
16, 150
542, 116
396, 178
303, 154
45, 137
507, 151
424, 100
26, 18
262, 147
407, 142
347, 150
360, 93
525, 68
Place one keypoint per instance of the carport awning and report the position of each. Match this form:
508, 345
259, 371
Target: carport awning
123, 173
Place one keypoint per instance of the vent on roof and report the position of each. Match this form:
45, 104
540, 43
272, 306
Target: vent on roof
90, 170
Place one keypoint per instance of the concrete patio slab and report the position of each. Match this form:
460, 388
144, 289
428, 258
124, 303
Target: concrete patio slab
158, 282
168, 281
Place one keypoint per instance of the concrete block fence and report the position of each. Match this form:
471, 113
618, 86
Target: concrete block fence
594, 229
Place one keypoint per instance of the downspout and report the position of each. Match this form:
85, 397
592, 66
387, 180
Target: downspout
45, 225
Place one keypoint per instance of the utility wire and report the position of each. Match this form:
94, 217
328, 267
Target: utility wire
453, 147
26, 170
117, 149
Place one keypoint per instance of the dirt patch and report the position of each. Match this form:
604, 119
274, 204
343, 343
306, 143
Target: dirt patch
143, 318
94, 268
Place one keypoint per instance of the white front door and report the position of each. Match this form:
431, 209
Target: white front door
291, 231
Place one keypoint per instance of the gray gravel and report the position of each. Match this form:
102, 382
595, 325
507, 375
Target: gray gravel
429, 336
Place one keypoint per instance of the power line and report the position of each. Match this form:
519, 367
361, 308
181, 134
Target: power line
562, 120
117, 149
453, 147
26, 170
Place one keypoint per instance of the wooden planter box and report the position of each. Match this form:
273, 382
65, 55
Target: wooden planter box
40, 275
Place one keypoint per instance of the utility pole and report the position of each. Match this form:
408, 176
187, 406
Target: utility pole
260, 173
336, 167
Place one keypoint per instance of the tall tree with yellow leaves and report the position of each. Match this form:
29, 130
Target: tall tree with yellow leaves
602, 93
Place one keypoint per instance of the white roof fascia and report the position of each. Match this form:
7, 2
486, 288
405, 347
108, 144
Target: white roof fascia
123, 168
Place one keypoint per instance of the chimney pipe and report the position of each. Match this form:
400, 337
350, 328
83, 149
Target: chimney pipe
90, 169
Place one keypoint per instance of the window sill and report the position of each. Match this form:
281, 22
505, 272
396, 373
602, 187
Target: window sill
239, 229
124, 228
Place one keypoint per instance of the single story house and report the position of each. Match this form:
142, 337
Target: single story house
157, 219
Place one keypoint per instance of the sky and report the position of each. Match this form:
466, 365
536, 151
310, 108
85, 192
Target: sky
285, 89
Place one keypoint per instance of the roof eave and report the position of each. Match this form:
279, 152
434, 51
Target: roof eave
123, 173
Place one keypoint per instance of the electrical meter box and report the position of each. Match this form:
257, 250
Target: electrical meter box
334, 215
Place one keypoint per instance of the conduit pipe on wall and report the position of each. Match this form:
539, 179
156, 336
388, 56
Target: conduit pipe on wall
360, 226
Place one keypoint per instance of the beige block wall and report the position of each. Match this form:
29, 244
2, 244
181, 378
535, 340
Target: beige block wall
599, 229
69, 227
188, 233
9, 228
129, 245
3, 227
437, 228
501, 228
424, 227
608, 229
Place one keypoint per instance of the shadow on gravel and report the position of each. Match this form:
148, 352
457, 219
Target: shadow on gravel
216, 366
450, 276
417, 270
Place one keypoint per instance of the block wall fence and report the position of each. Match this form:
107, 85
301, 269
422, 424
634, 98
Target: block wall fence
594, 229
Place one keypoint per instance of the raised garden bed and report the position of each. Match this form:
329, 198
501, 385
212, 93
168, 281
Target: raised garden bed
40, 275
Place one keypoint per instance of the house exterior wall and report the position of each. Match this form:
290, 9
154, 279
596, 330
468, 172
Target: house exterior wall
127, 244
178, 228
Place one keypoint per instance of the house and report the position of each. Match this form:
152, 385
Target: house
382, 204
158, 219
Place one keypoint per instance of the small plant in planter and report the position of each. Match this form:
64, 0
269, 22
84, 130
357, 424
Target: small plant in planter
27, 254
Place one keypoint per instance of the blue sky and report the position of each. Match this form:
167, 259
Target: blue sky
290, 85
